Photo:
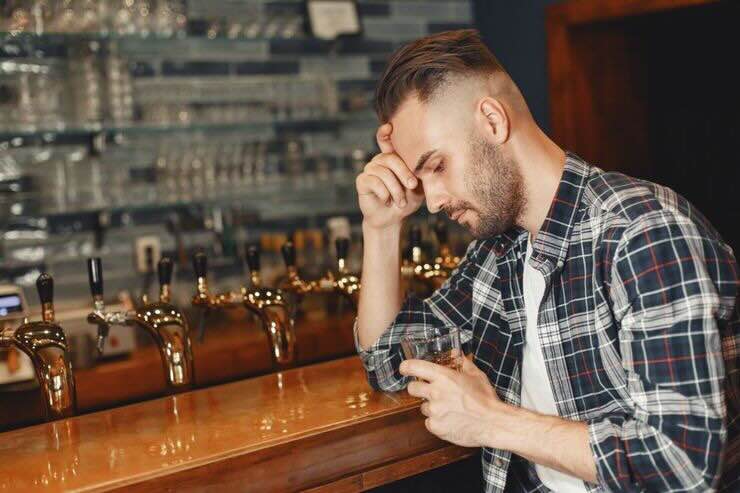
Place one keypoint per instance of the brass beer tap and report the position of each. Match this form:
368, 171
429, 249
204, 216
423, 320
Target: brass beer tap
164, 322
431, 274
343, 282
45, 343
268, 304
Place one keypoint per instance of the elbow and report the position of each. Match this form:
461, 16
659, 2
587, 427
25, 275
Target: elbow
687, 458
382, 370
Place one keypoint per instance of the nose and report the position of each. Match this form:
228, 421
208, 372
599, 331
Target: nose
435, 199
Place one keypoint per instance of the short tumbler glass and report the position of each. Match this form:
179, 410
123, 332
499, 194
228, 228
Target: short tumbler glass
440, 345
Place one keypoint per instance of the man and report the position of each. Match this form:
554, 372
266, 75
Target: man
593, 303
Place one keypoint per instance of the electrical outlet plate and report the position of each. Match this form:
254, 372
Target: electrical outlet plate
142, 244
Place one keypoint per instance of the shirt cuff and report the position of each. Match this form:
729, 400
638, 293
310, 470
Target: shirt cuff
601, 439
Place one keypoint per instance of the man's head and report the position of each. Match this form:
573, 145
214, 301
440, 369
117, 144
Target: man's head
453, 108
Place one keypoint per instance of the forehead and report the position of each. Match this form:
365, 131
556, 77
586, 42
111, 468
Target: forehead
420, 127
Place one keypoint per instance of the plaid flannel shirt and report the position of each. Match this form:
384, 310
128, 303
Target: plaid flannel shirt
640, 302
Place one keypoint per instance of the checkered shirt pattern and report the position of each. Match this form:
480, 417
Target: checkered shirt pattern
639, 310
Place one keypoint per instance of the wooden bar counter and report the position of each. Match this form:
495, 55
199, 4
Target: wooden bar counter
318, 428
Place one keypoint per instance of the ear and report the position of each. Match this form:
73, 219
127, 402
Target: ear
494, 119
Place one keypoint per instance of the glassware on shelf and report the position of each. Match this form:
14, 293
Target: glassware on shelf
85, 85
254, 22
123, 13
30, 95
119, 87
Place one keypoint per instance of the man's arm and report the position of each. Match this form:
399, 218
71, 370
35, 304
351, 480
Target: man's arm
550, 441
380, 296
464, 409
388, 192
669, 285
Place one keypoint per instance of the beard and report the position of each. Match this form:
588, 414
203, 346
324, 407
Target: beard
496, 184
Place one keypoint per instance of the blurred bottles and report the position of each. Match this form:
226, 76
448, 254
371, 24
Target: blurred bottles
162, 18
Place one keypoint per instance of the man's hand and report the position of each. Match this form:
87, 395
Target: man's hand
388, 191
463, 408
459, 405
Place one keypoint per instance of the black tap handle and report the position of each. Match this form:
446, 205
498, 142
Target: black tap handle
288, 250
415, 236
342, 246
164, 269
200, 264
45, 287
95, 276
253, 258
440, 229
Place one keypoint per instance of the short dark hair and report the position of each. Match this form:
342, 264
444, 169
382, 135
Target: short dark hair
425, 64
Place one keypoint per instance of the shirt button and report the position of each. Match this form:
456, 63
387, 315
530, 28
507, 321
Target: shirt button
498, 462
498, 248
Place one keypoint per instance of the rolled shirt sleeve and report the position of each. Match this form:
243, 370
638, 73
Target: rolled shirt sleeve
672, 434
449, 305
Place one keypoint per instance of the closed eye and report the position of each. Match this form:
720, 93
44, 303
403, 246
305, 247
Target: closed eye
440, 168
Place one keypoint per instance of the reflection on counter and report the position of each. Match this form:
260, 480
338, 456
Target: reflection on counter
127, 445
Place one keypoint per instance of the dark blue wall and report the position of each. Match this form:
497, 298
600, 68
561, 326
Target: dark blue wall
515, 32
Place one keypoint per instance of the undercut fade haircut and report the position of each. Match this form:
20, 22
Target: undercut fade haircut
425, 65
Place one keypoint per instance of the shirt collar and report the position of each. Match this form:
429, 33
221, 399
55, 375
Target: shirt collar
551, 244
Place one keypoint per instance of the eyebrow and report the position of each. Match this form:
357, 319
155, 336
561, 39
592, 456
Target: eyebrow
423, 160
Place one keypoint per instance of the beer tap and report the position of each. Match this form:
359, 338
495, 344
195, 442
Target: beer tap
202, 301
344, 282
431, 275
293, 283
164, 322
45, 343
269, 305
445, 258
271, 308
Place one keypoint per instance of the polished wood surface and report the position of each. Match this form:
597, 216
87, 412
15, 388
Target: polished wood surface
235, 349
287, 431
396, 470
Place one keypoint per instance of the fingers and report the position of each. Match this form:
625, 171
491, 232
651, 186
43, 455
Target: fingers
371, 184
431, 409
418, 389
390, 181
383, 136
399, 168
432, 426
425, 370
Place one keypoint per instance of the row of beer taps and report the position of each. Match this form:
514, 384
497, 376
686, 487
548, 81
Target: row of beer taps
45, 343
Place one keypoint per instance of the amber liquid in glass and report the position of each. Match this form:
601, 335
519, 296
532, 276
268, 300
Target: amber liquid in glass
450, 359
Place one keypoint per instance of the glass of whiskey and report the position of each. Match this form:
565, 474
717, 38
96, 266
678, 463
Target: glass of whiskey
439, 345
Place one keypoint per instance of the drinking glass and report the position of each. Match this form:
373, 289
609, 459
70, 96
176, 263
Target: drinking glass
439, 345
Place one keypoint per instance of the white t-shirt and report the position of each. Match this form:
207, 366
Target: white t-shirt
536, 390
